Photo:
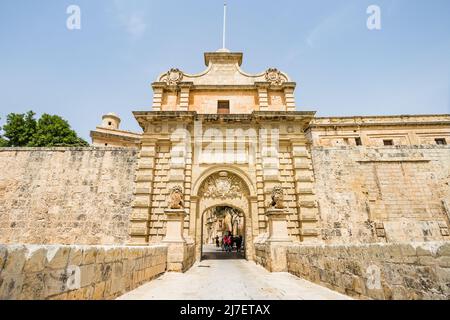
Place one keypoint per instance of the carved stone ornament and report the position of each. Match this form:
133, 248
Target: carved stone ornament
222, 187
173, 77
274, 76
277, 198
176, 198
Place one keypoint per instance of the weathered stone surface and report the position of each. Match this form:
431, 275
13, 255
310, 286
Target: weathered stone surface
64, 272
374, 193
362, 272
66, 195
36, 261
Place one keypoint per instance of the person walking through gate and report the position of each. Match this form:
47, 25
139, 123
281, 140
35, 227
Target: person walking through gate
217, 242
238, 244
227, 241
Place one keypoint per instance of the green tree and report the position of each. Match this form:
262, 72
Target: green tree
22, 130
19, 129
54, 131
3, 142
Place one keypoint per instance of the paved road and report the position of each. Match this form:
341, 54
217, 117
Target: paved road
211, 252
230, 280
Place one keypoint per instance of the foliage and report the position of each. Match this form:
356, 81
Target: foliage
19, 129
23, 130
3, 142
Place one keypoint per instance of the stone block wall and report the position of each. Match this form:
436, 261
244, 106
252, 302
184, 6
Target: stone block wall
376, 271
261, 255
383, 194
66, 195
35, 272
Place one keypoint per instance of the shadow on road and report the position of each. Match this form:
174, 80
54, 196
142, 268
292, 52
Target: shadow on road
214, 253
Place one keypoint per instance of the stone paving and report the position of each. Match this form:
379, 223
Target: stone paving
231, 280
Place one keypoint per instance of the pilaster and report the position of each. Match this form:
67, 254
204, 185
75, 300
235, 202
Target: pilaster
290, 98
158, 91
305, 191
263, 95
185, 88
140, 216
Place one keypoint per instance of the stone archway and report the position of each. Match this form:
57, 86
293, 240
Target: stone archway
224, 188
217, 222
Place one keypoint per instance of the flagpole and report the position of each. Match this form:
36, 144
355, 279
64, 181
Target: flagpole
224, 24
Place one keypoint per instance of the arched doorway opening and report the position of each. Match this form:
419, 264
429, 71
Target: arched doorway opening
224, 187
223, 233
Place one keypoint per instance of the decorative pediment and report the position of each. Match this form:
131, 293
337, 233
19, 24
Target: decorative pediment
224, 69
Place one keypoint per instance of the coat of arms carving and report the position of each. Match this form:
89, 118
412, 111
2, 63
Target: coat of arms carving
222, 187
173, 77
274, 76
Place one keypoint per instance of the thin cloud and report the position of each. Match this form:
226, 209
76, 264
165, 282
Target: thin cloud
332, 24
131, 18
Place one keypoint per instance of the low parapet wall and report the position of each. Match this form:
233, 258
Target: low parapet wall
376, 271
36, 272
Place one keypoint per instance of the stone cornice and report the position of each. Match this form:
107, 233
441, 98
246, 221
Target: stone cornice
223, 56
143, 117
374, 121
118, 136
214, 87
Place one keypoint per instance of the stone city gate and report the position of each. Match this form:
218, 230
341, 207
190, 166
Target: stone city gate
224, 188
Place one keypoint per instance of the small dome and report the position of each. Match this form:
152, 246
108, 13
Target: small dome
111, 121
111, 114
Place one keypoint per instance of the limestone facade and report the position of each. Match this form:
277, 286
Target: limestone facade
379, 131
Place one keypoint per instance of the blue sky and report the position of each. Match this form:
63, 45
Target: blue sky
341, 67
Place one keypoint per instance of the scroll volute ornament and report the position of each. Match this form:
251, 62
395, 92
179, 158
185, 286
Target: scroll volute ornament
274, 76
173, 77
176, 198
277, 198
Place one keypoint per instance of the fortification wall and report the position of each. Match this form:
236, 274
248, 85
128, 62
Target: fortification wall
382, 194
376, 271
66, 195
37, 272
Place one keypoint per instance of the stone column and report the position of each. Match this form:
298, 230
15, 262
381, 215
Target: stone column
174, 226
278, 241
180, 253
278, 230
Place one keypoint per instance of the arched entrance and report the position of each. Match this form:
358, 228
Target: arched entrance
219, 222
226, 188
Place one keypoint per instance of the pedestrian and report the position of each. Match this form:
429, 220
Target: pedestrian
238, 243
217, 242
228, 243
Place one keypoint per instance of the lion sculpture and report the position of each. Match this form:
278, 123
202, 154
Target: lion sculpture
176, 198
277, 198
